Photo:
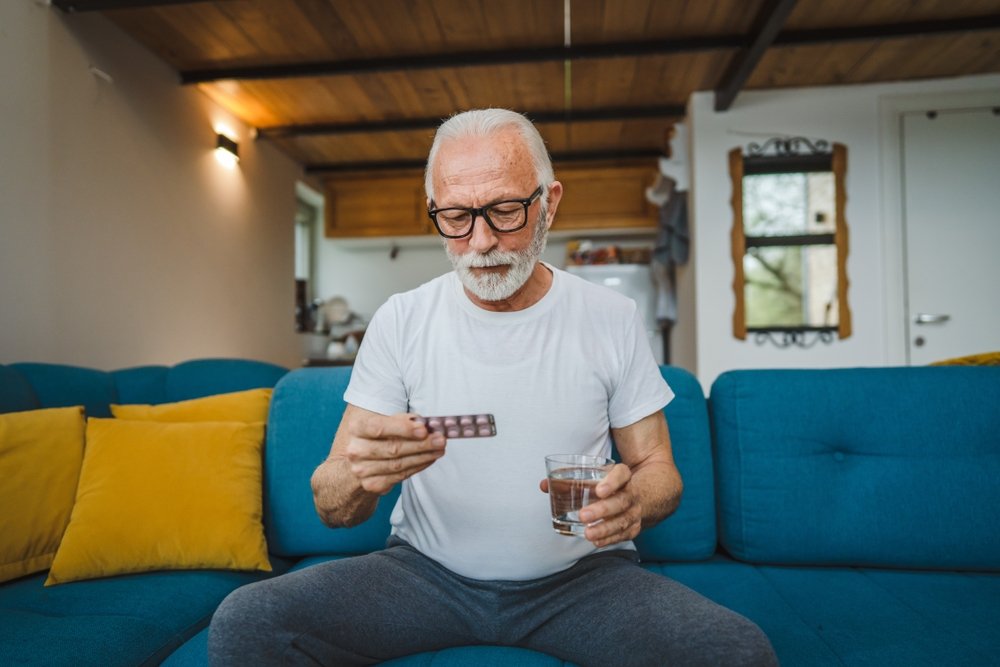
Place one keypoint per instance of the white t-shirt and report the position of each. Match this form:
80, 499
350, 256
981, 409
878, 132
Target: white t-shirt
556, 376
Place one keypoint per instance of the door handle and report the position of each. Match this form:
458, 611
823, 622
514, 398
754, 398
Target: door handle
925, 318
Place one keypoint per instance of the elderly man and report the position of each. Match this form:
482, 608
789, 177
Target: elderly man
565, 366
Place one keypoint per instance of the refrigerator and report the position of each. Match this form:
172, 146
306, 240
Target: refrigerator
634, 281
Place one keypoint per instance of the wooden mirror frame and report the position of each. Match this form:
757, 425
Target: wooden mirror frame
785, 158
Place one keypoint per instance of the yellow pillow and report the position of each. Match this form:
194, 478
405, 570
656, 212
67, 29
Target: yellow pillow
159, 496
40, 455
241, 406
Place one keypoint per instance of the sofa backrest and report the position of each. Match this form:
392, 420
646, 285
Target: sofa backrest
690, 532
306, 409
25, 386
896, 467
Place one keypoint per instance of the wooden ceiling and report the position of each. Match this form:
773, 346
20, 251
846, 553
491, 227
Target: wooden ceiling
359, 85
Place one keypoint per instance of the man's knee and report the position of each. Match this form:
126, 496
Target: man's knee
238, 624
748, 646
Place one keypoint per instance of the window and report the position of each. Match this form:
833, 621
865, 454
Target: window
308, 212
790, 242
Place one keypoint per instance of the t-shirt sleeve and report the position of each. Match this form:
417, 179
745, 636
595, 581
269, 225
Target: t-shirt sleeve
376, 380
640, 389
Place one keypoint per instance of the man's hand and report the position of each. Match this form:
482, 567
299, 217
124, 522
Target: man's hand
382, 451
618, 511
371, 453
617, 516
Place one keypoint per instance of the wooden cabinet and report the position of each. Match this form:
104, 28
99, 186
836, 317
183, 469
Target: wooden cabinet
606, 197
595, 197
376, 205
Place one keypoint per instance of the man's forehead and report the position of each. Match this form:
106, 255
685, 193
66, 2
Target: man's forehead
504, 148
495, 162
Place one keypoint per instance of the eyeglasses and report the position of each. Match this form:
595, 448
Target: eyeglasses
503, 217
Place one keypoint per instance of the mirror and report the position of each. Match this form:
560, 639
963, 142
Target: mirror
789, 242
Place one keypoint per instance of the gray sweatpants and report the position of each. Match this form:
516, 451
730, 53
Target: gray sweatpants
605, 610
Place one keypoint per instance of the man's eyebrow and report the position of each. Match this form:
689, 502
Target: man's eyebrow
498, 200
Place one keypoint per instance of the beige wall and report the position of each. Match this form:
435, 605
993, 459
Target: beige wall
122, 240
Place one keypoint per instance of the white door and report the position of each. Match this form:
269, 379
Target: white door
951, 209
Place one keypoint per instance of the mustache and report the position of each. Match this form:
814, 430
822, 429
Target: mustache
494, 257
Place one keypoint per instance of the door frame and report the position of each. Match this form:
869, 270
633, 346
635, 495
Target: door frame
891, 110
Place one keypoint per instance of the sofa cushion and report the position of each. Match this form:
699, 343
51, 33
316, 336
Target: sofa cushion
156, 496
874, 466
848, 616
40, 456
15, 392
204, 377
241, 406
195, 654
305, 411
689, 533
480, 656
128, 620
141, 384
61, 386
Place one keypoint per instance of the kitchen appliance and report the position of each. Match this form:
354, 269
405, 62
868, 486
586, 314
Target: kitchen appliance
634, 281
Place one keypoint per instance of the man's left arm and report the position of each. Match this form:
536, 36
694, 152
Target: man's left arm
639, 492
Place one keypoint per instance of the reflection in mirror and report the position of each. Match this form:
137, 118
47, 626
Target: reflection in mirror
790, 242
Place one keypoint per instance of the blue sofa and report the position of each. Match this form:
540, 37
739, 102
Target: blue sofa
850, 513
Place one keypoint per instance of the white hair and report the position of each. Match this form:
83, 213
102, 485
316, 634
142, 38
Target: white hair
482, 123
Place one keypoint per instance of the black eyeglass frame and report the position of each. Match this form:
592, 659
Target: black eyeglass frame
481, 212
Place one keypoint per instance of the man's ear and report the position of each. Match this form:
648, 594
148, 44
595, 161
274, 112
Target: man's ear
555, 195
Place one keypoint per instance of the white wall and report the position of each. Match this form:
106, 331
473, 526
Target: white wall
855, 116
123, 241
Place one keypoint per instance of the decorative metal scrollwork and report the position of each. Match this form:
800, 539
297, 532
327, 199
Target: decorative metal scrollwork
784, 338
788, 147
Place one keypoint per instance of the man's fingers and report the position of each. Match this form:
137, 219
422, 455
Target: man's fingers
394, 467
618, 477
377, 427
608, 507
362, 449
382, 484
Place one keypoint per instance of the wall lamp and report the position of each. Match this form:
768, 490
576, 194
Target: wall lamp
227, 151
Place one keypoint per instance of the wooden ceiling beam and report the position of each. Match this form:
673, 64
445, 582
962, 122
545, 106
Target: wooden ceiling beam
467, 59
405, 124
888, 30
74, 6
396, 165
582, 52
766, 28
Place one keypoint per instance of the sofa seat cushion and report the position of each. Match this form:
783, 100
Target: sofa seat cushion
195, 654
852, 616
480, 656
127, 620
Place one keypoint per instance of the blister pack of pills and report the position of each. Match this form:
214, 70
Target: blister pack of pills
461, 426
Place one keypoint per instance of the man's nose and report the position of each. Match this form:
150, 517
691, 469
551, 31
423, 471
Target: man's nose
483, 238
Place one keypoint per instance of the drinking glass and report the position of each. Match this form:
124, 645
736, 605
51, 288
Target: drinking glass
573, 480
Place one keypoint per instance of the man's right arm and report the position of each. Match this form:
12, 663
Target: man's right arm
371, 453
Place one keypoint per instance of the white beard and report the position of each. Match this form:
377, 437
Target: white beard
495, 286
